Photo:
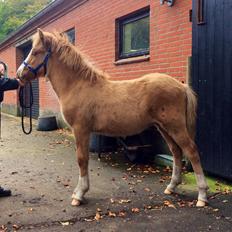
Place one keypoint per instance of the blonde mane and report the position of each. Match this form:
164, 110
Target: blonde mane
74, 59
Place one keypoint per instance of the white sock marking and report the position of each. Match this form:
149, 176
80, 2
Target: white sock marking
82, 187
176, 177
202, 187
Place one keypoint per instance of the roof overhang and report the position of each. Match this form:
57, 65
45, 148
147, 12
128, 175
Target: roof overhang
52, 12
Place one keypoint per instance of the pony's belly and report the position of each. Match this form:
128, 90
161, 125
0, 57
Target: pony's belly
121, 127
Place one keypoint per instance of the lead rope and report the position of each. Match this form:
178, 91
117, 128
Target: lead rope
24, 107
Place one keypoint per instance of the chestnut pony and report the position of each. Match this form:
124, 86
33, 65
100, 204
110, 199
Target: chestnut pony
91, 102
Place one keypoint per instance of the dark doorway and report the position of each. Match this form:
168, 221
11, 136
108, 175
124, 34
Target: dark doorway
35, 87
212, 80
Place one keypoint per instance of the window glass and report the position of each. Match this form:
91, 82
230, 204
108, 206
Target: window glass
71, 35
136, 36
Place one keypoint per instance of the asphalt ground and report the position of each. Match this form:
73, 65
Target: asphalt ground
41, 170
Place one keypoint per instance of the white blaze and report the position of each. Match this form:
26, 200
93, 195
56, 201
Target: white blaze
22, 66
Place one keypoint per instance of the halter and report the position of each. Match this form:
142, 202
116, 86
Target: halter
22, 93
39, 66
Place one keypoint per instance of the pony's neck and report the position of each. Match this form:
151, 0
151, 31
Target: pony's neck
63, 78
59, 77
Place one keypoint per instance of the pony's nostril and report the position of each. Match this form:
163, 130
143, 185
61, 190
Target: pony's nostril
19, 71
18, 74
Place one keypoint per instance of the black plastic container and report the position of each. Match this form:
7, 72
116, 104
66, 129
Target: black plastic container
101, 143
47, 123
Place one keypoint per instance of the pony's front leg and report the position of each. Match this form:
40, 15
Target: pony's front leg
82, 143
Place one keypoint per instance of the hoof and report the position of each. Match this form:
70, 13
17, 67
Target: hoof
200, 203
167, 192
75, 202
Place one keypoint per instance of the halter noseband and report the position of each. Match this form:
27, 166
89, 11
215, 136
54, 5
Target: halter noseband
39, 66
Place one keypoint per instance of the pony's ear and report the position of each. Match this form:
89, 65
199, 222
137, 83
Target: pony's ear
45, 39
41, 34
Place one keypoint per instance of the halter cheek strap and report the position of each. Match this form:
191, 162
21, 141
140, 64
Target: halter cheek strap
38, 67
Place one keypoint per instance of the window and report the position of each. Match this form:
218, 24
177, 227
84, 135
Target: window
200, 11
71, 35
133, 35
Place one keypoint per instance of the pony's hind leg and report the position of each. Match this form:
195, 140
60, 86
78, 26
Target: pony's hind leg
189, 148
177, 162
82, 143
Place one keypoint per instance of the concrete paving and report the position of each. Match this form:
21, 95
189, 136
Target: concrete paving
41, 170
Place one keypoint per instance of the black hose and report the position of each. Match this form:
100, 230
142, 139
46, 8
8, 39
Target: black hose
25, 106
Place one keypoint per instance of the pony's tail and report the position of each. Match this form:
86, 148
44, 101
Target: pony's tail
191, 111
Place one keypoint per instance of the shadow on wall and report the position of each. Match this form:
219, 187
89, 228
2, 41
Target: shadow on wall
61, 123
11, 109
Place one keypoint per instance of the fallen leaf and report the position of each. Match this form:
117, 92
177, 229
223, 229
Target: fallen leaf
97, 216
65, 223
172, 206
227, 190
135, 210
181, 204
167, 169
132, 183
3, 228
124, 201
111, 214
88, 220
16, 227
155, 171
190, 204
124, 178
122, 214
169, 204
147, 189
66, 183
215, 210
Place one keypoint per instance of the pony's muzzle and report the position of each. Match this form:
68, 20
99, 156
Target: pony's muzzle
19, 72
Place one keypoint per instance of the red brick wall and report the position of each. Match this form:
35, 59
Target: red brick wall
8, 56
94, 22
172, 38
48, 98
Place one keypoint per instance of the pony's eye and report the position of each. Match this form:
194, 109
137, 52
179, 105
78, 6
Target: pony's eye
34, 53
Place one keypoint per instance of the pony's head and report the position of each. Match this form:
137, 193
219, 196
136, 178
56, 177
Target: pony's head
46, 47
36, 63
